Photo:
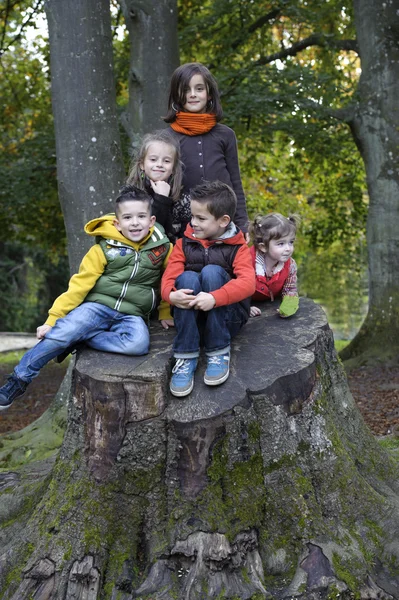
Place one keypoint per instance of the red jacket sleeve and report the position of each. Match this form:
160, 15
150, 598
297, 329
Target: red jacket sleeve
235, 290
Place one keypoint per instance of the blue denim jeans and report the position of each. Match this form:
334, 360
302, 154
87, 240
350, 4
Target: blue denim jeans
100, 327
213, 329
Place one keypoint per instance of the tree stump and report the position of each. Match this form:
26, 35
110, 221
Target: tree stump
269, 486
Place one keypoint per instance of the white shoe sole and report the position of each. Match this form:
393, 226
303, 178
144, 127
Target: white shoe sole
218, 381
181, 394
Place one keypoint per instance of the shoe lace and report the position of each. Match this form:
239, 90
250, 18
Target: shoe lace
182, 366
215, 360
218, 359
13, 385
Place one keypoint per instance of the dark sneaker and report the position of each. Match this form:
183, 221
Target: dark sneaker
182, 381
217, 369
14, 388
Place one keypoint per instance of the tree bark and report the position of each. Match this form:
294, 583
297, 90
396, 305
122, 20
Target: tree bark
267, 486
154, 55
89, 163
376, 130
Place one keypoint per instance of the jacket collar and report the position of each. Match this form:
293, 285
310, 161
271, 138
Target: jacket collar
232, 235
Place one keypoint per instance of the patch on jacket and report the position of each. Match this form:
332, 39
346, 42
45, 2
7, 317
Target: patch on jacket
123, 251
157, 254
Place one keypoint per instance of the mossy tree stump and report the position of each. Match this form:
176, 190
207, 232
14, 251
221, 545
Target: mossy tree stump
269, 486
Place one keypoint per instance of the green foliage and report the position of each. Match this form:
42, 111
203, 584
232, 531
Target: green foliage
33, 248
295, 156
29, 282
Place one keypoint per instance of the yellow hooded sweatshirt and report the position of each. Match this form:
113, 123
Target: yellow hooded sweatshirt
95, 261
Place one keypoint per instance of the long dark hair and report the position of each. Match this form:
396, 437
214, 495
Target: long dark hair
177, 91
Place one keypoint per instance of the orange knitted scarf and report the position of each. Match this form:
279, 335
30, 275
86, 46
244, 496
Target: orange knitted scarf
193, 123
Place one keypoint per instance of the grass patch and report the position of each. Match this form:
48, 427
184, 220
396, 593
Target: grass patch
11, 358
340, 344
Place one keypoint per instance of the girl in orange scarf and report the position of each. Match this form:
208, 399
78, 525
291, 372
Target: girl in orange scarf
208, 148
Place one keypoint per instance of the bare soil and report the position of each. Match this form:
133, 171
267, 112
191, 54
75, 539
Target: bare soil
375, 390
36, 399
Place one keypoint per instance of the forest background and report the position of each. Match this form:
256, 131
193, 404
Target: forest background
287, 72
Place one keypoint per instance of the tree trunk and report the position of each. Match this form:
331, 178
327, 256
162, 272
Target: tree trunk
154, 55
376, 131
89, 163
267, 486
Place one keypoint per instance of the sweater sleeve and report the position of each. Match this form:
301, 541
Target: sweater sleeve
80, 284
162, 209
243, 286
233, 167
175, 267
290, 284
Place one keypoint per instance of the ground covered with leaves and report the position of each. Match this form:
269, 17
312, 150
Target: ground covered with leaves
375, 390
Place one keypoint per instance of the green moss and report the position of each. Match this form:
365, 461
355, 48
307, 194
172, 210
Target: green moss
345, 571
14, 576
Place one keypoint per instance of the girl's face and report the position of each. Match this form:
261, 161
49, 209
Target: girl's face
280, 250
196, 95
159, 161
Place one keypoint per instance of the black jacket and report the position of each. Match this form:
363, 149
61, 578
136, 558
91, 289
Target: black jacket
210, 157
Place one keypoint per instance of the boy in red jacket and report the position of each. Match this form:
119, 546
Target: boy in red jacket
209, 280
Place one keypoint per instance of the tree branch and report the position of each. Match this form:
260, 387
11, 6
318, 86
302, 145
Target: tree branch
346, 115
35, 9
316, 39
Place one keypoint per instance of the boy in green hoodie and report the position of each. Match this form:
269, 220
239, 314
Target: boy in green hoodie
110, 298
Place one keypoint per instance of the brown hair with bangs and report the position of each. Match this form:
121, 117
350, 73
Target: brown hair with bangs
178, 86
272, 227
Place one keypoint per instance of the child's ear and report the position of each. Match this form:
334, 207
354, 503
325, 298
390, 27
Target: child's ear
225, 221
116, 224
152, 220
262, 247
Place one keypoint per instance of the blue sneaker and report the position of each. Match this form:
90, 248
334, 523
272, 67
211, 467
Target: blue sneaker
217, 369
14, 388
182, 381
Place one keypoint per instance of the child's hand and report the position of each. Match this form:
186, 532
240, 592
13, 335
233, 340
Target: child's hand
166, 323
203, 301
254, 311
42, 330
160, 187
181, 298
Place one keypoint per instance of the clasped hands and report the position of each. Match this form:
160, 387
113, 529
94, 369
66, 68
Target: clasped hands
184, 299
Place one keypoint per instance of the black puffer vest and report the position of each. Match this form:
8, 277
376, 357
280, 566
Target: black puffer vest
223, 255
197, 256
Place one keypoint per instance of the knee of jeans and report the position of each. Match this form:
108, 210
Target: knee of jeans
189, 280
138, 346
213, 277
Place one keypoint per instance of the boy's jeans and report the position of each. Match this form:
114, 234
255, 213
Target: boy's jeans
102, 328
213, 328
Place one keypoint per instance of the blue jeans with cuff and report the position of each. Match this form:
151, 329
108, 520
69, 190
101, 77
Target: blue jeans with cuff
214, 328
100, 327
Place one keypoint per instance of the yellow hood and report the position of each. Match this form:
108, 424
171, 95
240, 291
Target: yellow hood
104, 227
